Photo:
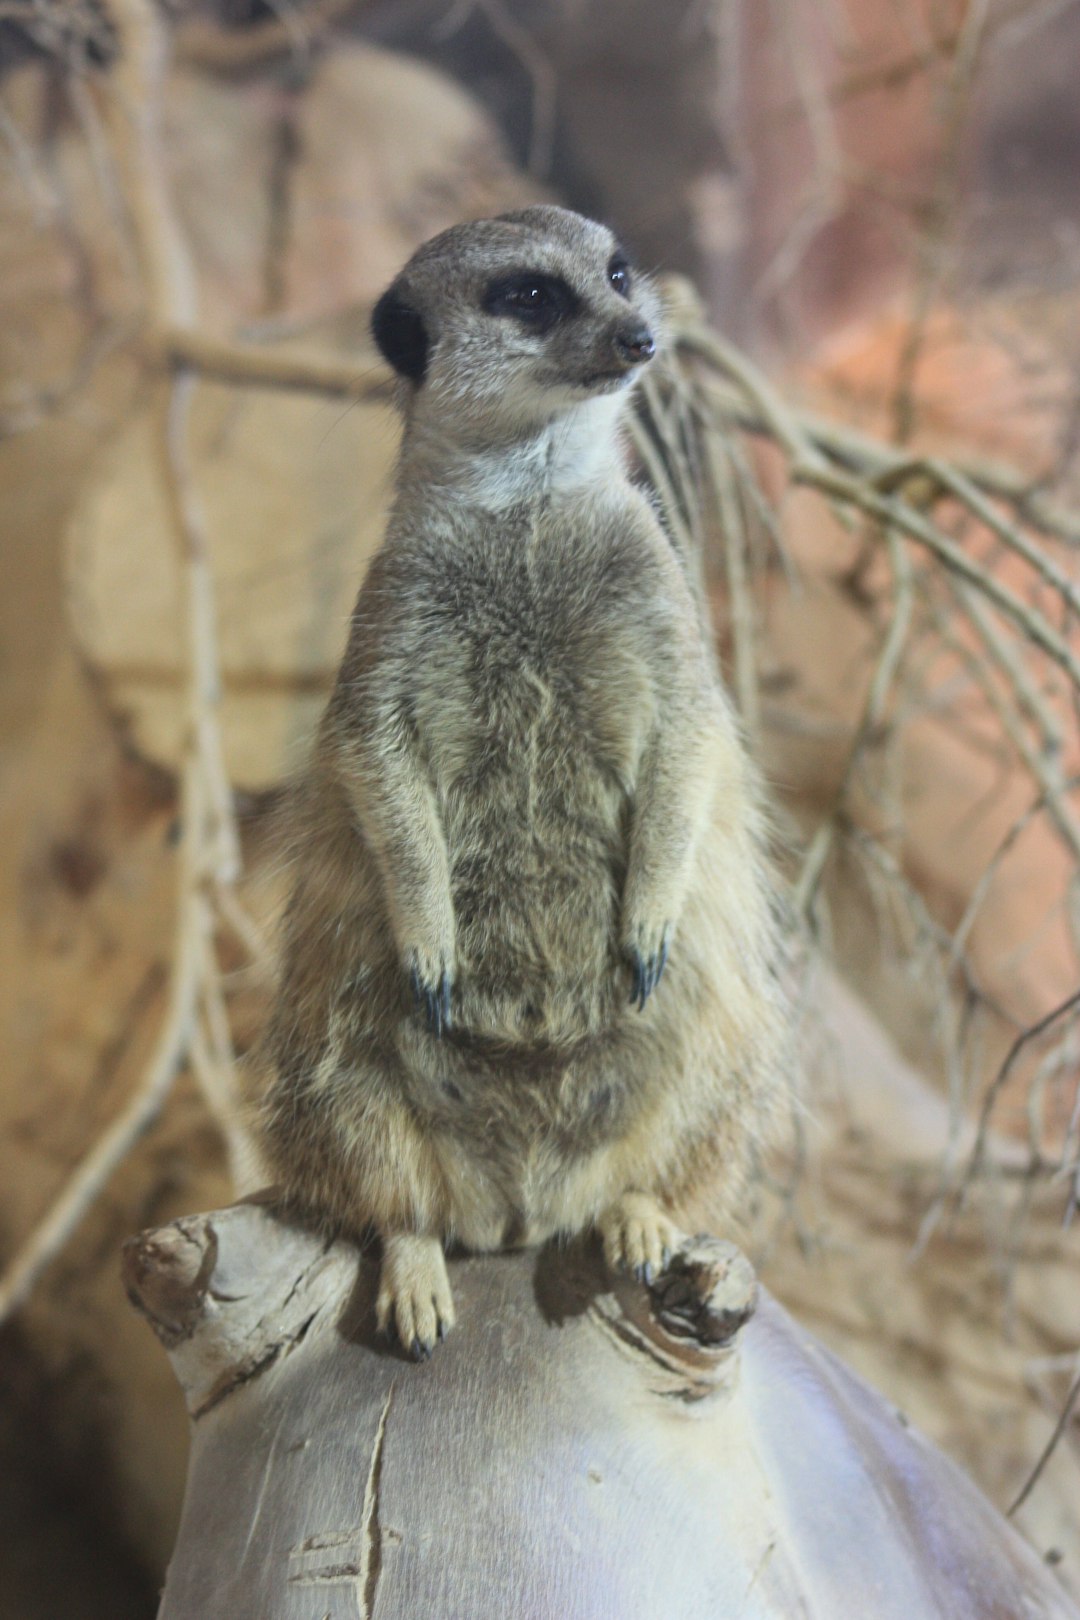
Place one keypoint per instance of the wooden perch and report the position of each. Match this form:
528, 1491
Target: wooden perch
579, 1449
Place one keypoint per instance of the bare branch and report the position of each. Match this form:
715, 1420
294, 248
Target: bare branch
252, 366
1016, 1051
1051, 1445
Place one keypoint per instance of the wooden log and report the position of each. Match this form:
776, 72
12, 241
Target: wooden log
580, 1449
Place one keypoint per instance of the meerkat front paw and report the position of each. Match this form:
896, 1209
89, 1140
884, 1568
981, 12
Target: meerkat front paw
414, 1293
638, 1237
432, 981
646, 950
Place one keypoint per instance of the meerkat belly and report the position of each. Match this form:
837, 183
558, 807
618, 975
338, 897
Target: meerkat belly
534, 1140
536, 839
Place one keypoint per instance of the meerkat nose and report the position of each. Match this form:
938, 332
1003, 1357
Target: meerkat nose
635, 343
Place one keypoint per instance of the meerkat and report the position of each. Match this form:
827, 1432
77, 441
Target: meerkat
529, 977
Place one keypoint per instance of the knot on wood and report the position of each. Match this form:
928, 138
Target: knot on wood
167, 1274
708, 1291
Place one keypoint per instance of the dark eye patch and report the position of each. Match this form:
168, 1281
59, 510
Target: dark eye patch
618, 273
533, 298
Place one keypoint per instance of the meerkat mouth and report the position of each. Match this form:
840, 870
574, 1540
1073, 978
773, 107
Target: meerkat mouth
605, 379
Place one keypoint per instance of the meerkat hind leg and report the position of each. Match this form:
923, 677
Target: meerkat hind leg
638, 1237
414, 1292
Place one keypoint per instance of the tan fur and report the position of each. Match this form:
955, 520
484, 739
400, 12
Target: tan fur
528, 777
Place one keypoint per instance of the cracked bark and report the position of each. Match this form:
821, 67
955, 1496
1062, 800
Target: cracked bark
371, 1549
579, 1449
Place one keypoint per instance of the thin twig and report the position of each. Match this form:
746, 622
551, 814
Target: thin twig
881, 683
1049, 1449
741, 612
890, 510
997, 1085
1040, 762
940, 214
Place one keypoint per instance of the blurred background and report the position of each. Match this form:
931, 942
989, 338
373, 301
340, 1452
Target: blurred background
866, 215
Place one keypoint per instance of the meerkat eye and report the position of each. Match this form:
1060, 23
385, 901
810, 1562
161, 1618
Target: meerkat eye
618, 273
537, 300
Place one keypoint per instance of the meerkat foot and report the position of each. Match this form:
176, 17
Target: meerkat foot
414, 1293
638, 1237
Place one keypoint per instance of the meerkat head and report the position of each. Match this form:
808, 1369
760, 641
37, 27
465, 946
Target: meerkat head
516, 320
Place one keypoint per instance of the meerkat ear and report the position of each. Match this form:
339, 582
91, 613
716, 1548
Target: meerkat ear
400, 334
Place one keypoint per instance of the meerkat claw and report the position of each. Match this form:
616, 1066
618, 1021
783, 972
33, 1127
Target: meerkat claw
646, 971
434, 1000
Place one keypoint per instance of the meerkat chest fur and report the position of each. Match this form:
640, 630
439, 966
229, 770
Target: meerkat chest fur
531, 639
533, 683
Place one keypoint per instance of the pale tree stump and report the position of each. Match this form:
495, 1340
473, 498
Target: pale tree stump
579, 1449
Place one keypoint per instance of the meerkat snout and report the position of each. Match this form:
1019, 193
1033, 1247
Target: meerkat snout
635, 344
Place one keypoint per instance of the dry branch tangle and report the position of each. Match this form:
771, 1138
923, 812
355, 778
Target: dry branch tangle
209, 845
868, 478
